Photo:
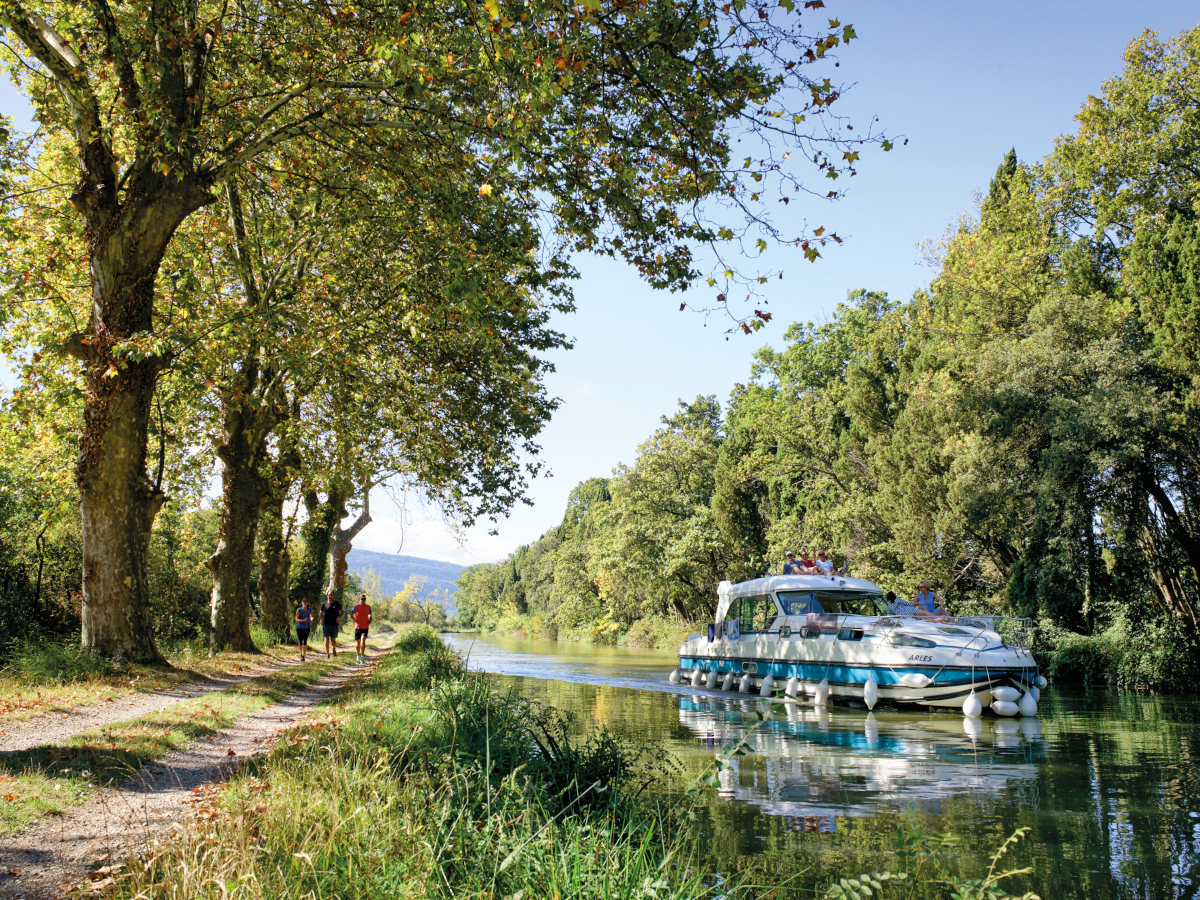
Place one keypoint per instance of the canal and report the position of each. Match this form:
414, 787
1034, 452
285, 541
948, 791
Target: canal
1108, 781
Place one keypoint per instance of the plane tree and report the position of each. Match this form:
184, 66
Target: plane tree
619, 114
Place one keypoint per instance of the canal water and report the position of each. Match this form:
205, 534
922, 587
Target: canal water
1108, 782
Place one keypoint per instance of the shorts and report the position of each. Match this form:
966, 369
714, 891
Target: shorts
302, 636
331, 631
360, 633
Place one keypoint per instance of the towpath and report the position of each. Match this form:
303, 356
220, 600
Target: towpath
48, 859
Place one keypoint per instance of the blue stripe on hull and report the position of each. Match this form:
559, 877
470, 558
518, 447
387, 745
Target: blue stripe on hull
885, 676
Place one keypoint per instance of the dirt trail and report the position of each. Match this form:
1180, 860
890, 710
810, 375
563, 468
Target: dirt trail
42, 861
56, 727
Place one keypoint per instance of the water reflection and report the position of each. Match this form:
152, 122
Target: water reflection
815, 762
1108, 781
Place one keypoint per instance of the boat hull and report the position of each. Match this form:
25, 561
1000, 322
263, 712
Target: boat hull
948, 684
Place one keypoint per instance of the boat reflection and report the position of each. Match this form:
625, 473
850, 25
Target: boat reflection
813, 765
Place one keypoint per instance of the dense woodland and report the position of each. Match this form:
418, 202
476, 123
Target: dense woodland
305, 248
1025, 433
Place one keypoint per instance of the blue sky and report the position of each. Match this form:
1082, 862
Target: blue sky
963, 81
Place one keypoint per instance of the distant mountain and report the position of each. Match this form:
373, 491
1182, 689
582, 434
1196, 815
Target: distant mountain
394, 570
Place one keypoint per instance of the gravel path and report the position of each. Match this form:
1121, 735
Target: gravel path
43, 861
56, 727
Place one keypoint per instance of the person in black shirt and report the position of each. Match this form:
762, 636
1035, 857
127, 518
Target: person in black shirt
331, 621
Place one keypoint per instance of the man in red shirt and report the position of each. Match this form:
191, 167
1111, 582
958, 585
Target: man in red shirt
362, 621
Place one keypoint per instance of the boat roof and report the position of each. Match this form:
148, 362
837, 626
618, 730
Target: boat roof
727, 592
834, 582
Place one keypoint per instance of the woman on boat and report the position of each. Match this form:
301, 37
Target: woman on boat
928, 603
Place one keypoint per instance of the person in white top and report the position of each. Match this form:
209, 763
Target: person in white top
824, 566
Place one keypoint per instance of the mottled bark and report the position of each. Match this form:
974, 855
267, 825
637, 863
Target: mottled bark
315, 533
341, 541
232, 563
118, 501
274, 565
253, 406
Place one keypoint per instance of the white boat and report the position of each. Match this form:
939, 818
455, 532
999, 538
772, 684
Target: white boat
830, 638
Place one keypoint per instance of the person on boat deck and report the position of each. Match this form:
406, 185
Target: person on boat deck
898, 606
807, 566
791, 567
824, 566
929, 603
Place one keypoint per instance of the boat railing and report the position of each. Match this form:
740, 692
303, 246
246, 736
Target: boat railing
1013, 631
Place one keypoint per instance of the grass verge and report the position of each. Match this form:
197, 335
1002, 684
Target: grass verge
428, 782
41, 678
47, 780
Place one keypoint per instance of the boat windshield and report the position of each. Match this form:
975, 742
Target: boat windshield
848, 603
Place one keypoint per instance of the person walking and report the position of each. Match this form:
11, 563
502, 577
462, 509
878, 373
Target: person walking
303, 626
362, 622
331, 621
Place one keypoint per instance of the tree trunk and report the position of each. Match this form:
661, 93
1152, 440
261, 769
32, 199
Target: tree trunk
118, 502
274, 563
316, 532
233, 561
243, 452
341, 541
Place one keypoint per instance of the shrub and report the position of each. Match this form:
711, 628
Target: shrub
657, 633
419, 638
54, 663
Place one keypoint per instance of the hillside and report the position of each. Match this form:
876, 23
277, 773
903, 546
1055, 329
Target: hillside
394, 570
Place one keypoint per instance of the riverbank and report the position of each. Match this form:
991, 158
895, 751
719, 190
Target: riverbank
649, 633
426, 781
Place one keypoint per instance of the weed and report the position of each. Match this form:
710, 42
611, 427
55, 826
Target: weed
53, 663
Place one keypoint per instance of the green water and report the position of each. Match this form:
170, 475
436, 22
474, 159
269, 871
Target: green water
1107, 781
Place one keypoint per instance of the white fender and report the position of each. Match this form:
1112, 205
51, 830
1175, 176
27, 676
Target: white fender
871, 692
744, 687
972, 708
822, 697
793, 687
1011, 694
673, 678
727, 684
1041, 682
697, 677
915, 680
768, 687
713, 675
1035, 693
1027, 706
1004, 708
973, 727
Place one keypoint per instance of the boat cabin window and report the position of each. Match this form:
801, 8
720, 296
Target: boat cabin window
753, 614
847, 603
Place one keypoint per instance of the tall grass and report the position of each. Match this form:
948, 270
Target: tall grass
53, 663
445, 791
